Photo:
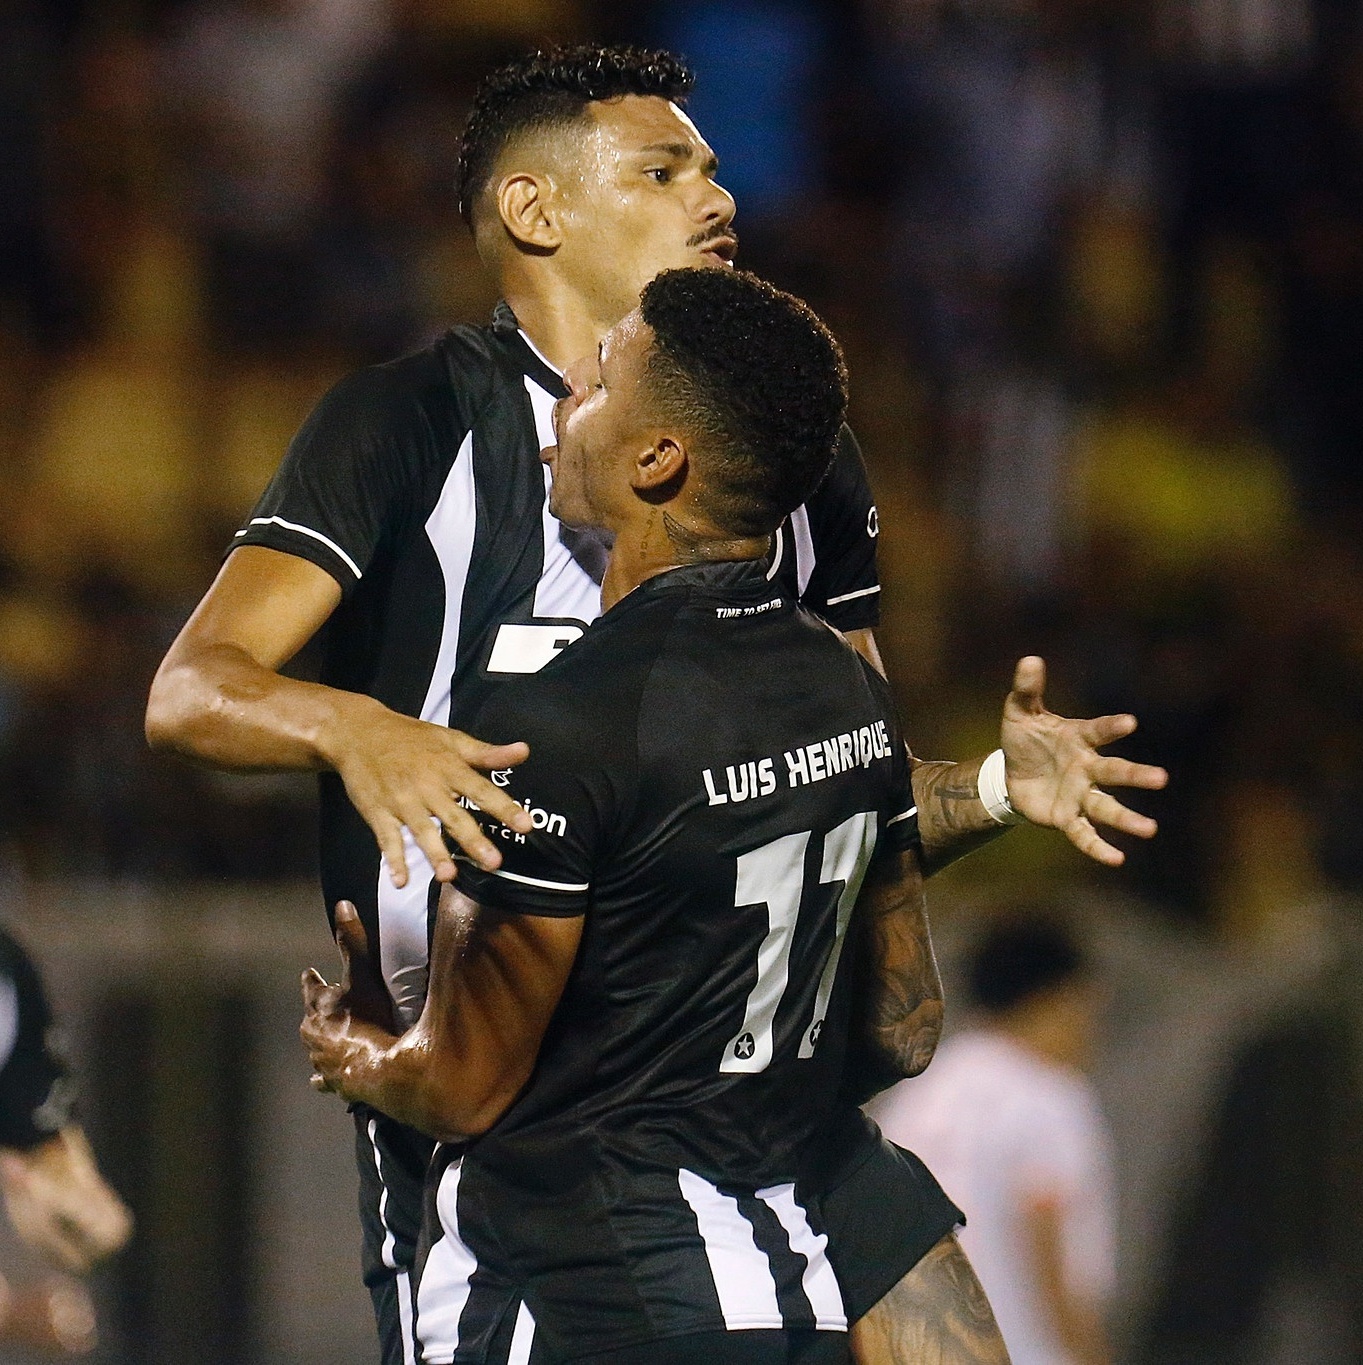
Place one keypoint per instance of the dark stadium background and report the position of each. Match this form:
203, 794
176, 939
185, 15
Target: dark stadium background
1098, 268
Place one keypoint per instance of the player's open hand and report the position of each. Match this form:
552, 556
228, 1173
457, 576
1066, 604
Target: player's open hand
408, 775
341, 1021
59, 1203
1056, 775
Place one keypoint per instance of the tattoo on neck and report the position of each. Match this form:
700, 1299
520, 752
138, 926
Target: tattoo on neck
692, 548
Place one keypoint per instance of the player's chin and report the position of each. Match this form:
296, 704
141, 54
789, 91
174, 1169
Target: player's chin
562, 509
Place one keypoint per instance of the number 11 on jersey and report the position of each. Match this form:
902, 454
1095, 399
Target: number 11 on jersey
773, 875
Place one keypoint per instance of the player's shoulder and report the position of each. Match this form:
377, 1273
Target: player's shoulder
588, 695
420, 393
840, 654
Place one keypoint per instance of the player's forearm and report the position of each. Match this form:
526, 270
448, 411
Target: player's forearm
218, 705
900, 997
951, 817
905, 1021
413, 1079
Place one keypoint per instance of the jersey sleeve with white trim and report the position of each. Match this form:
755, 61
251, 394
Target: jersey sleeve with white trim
844, 586
901, 830
353, 472
578, 778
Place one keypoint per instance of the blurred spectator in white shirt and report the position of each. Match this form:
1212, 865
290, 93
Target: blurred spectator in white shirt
1011, 1127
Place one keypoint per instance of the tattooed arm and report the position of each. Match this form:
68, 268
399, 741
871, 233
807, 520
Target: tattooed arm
938, 1312
898, 991
1054, 774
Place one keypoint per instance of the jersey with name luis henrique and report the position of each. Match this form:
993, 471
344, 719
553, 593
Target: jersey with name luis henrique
418, 486
711, 772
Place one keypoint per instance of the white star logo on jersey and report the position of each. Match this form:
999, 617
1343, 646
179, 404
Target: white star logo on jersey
744, 1046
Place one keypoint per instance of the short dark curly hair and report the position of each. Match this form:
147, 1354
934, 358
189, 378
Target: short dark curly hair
753, 373
1029, 951
552, 87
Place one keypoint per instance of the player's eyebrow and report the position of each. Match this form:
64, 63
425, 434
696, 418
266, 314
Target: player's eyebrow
683, 151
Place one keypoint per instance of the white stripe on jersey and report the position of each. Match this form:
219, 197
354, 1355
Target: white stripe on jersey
402, 912
903, 815
9, 1019
447, 1278
565, 588
305, 531
778, 549
450, 529
804, 547
739, 1268
522, 1337
548, 364
819, 1281
536, 881
404, 1288
388, 1251
403, 931
852, 596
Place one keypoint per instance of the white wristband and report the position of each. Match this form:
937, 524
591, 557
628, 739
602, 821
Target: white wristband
992, 786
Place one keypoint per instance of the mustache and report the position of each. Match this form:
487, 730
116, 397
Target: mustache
714, 234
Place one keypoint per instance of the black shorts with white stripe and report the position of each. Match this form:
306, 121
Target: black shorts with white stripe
392, 1161
880, 1210
630, 1256
883, 1211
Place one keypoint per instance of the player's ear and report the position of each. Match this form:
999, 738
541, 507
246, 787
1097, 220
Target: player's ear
526, 206
660, 469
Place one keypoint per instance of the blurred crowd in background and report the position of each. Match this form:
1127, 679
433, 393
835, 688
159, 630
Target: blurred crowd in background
1098, 269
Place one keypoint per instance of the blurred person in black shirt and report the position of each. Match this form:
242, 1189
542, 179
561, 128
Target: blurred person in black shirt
57, 1201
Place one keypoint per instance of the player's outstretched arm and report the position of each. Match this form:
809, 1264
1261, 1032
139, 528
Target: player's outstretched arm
899, 991
495, 980
1052, 775
219, 697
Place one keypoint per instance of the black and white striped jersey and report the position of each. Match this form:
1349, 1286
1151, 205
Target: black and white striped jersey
418, 485
711, 771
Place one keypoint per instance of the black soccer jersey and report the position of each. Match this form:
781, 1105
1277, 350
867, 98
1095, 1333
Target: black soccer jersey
36, 1094
711, 772
418, 486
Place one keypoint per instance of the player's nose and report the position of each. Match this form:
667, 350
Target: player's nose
579, 377
716, 205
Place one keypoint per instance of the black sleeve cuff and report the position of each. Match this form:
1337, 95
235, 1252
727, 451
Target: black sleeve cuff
518, 893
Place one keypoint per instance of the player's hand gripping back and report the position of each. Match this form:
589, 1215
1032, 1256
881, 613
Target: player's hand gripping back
219, 697
1055, 777
495, 981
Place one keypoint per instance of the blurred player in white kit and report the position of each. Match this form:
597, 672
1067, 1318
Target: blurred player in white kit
1013, 1130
